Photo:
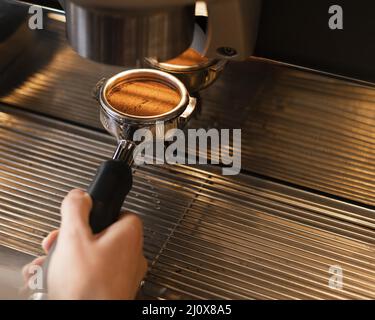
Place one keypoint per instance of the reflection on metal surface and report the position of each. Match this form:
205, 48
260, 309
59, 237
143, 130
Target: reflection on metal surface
201, 9
301, 128
57, 17
305, 129
58, 82
10, 272
124, 36
206, 236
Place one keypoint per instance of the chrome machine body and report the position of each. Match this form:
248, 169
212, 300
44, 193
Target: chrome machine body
304, 200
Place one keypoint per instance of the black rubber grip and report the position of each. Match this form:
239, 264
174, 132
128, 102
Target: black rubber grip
108, 191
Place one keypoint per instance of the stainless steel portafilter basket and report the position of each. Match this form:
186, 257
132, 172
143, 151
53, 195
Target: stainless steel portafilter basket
195, 76
122, 125
113, 179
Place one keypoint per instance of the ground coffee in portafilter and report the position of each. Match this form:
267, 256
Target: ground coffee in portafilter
143, 98
188, 58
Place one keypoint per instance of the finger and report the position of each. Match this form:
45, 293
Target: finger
26, 270
49, 240
102, 233
75, 211
127, 231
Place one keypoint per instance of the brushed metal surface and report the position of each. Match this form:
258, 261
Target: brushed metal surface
303, 128
49, 77
308, 130
11, 263
124, 36
206, 236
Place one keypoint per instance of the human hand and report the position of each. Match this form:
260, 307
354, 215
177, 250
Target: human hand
108, 265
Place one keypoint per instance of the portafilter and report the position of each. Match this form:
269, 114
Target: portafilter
113, 179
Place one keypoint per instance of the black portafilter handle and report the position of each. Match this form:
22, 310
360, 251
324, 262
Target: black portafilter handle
108, 190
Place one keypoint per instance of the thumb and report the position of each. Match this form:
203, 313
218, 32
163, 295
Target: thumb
75, 211
127, 233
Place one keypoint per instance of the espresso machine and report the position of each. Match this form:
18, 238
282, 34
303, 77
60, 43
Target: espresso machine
301, 210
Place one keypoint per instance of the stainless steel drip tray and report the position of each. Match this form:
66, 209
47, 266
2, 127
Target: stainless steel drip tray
206, 235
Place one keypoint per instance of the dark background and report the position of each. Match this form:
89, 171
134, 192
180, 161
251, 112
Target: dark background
297, 32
